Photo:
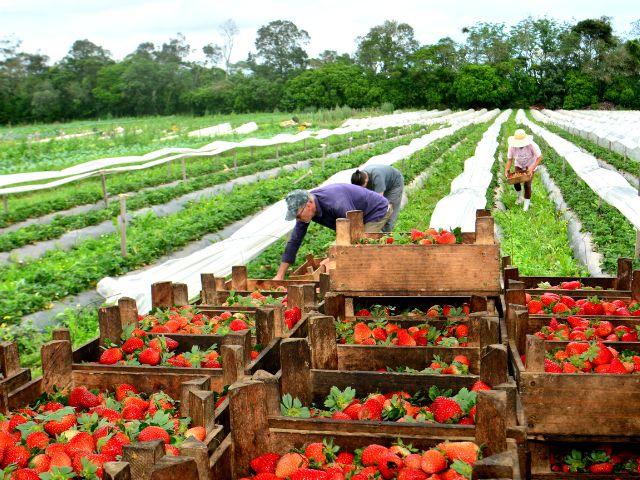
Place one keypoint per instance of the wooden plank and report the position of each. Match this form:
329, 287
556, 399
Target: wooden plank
322, 336
521, 325
334, 305
535, 354
478, 303
170, 468
9, 359
61, 334
295, 357
343, 232
491, 423
485, 232
414, 269
116, 471
180, 294
198, 451
57, 361
625, 273
202, 383
208, 292
308, 297
272, 389
324, 284
295, 297
110, 326
510, 274
128, 311
201, 408
242, 339
356, 227
493, 364
635, 286
161, 295
142, 456
249, 422
233, 363
265, 326
239, 277
500, 465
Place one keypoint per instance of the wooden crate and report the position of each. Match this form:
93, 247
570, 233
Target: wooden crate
240, 281
343, 306
257, 427
310, 270
140, 461
625, 284
471, 268
515, 178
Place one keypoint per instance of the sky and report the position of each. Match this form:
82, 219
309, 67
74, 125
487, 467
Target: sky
119, 26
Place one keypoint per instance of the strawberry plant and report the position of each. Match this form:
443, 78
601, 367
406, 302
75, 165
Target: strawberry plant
595, 460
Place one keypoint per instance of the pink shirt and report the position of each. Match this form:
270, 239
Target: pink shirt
526, 156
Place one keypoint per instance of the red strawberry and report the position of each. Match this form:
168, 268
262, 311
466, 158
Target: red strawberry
110, 356
25, 474
404, 339
372, 454
534, 306
57, 426
601, 468
465, 451
265, 463
340, 416
17, 454
123, 389
309, 474
292, 316
198, 432
361, 332
445, 409
132, 344
83, 398
433, 461
132, 412
237, 325
617, 367
37, 440
480, 385
40, 463
154, 433
149, 356
389, 465
111, 449
81, 443
289, 463
412, 474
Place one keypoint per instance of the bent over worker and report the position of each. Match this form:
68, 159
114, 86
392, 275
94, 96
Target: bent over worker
386, 181
324, 205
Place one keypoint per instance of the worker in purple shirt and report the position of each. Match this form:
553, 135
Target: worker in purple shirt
324, 205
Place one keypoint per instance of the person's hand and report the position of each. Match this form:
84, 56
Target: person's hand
278, 277
506, 174
529, 171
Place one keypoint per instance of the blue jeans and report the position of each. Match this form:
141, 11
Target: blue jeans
394, 196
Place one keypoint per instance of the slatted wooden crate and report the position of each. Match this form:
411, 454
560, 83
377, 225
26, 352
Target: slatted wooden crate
470, 268
625, 284
140, 461
264, 430
240, 282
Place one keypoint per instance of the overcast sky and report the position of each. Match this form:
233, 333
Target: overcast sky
50, 27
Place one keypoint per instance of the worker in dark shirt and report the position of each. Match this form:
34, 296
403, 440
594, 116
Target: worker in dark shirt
384, 180
324, 205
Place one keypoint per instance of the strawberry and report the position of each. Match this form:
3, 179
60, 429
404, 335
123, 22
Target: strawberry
198, 432
104, 412
340, 416
60, 459
372, 454
110, 356
361, 332
445, 410
289, 463
601, 467
265, 463
353, 409
480, 385
389, 465
132, 412
309, 474
154, 433
412, 474
617, 367
446, 238
40, 463
37, 440
132, 344
560, 308
81, 443
111, 449
465, 451
149, 356
81, 397
371, 410
433, 461
59, 423
123, 389
237, 325
25, 474
292, 316
16, 420
404, 339
534, 307
171, 450
551, 367
18, 455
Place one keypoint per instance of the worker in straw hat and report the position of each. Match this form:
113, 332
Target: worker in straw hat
527, 156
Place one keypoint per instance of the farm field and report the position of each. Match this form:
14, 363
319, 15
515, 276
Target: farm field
448, 341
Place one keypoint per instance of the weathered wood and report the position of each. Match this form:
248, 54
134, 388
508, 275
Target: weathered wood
242, 339
308, 297
233, 362
180, 294
343, 232
57, 361
208, 293
272, 387
161, 295
506, 262
61, 334
295, 297
128, 311
635, 286
334, 305
493, 364
4, 399
199, 452
110, 326
324, 284
116, 471
485, 233
9, 359
142, 456
265, 326
521, 324
415, 269
499, 465
356, 227
202, 383
239, 277
249, 422
477, 303
491, 425
510, 274
322, 335
295, 358
535, 354
625, 273
201, 408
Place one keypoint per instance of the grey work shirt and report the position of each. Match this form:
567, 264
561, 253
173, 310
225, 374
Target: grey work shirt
383, 178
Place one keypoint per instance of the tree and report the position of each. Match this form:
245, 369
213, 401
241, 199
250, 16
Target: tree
228, 30
480, 86
386, 47
279, 46
581, 91
487, 43
213, 54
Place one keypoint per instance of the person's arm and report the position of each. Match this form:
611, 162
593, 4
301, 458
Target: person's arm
291, 250
535, 165
537, 153
507, 167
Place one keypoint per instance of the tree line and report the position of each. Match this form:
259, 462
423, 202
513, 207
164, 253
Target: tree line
537, 62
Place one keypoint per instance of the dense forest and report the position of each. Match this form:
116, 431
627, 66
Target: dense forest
538, 61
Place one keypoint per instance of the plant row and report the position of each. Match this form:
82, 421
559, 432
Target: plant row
34, 284
546, 253
613, 235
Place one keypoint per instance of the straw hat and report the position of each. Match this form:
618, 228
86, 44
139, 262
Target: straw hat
520, 139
